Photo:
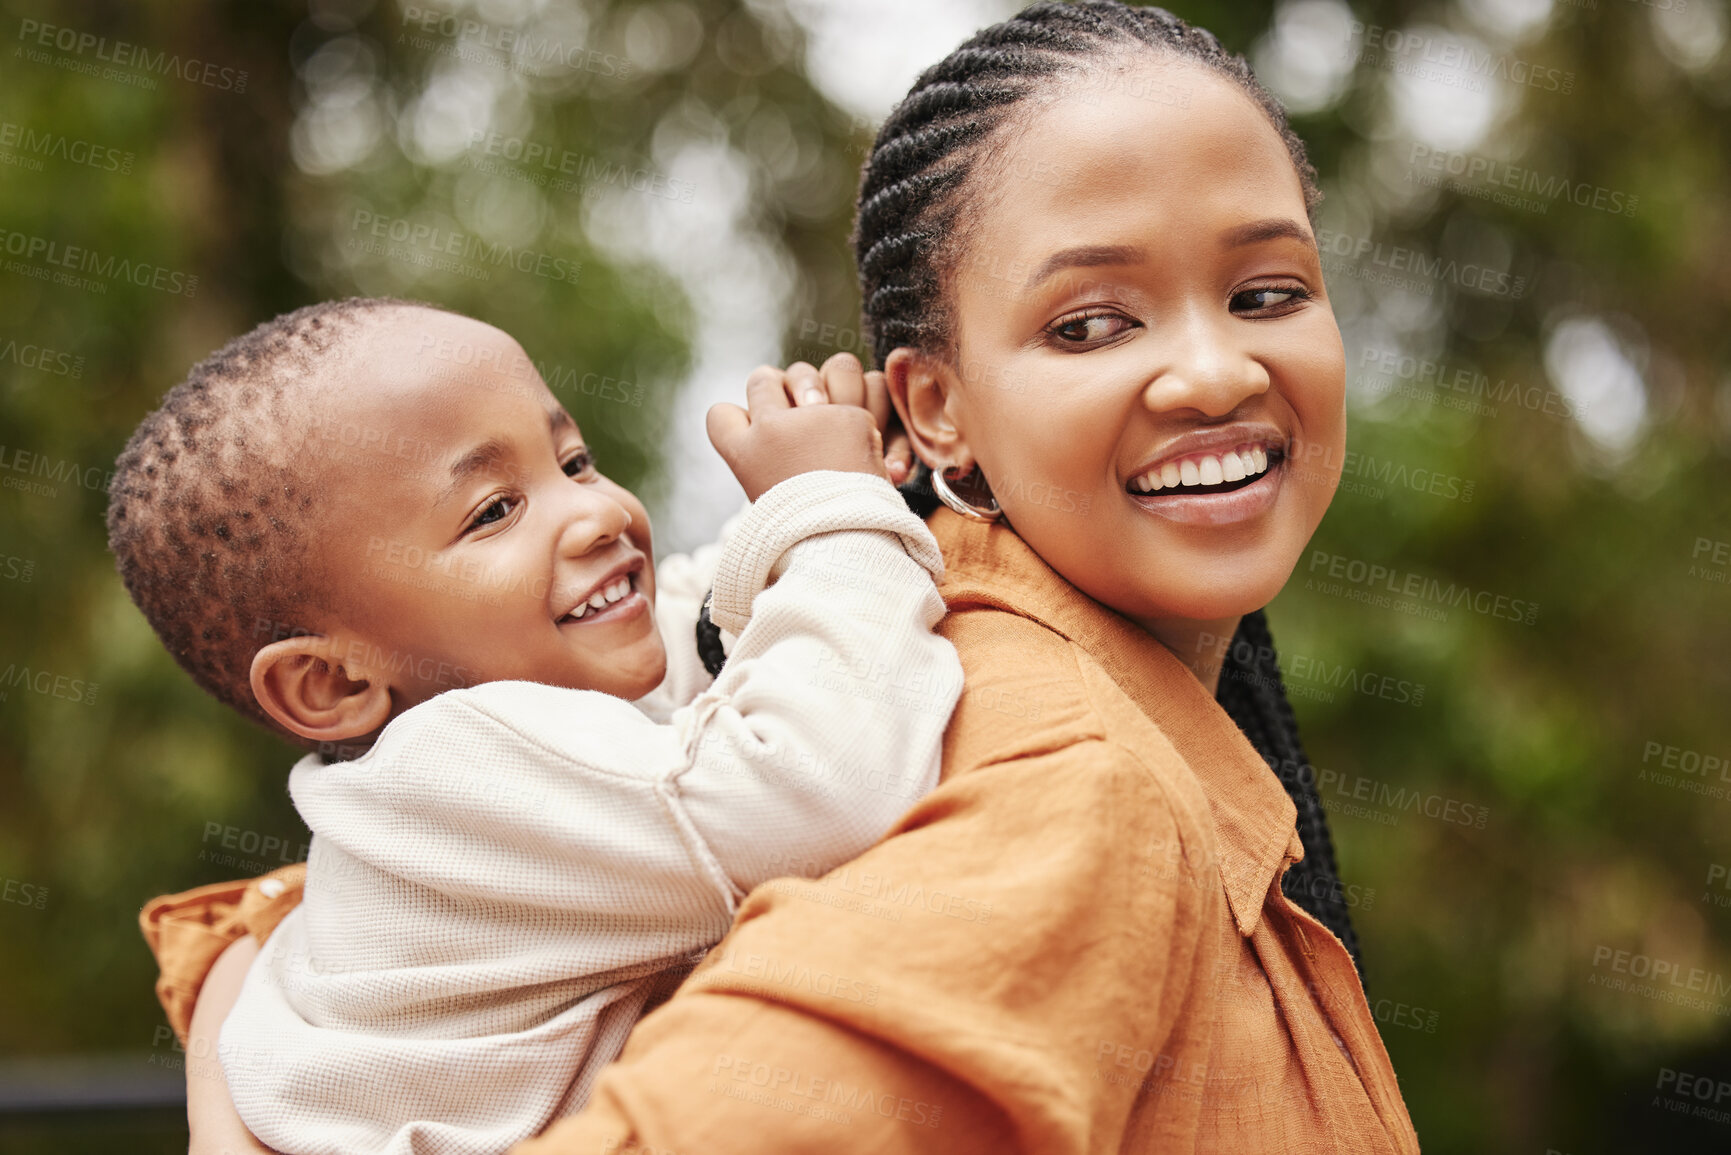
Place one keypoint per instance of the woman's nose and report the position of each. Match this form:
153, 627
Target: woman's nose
1205, 367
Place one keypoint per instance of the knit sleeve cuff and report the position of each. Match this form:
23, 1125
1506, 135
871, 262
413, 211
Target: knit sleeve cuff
822, 501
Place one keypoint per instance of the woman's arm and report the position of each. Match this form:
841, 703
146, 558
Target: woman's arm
210, 1115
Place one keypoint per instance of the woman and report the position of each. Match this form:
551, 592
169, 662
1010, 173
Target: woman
1086, 257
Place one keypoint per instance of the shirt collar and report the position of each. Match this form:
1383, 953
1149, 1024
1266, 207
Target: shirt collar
1254, 819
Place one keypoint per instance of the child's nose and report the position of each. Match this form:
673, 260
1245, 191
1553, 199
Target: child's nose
591, 519
1204, 368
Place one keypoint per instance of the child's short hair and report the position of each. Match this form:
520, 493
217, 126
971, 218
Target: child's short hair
207, 514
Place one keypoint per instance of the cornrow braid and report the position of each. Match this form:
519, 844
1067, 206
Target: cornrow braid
925, 157
922, 170
207, 515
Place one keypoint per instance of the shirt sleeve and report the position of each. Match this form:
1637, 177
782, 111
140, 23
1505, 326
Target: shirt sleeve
827, 722
682, 581
951, 990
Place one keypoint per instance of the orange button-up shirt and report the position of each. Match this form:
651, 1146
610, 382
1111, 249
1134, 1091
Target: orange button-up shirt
1077, 943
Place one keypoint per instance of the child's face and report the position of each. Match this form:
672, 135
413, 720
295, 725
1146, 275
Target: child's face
1141, 287
461, 537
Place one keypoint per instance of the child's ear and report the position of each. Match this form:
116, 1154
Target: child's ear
297, 684
923, 391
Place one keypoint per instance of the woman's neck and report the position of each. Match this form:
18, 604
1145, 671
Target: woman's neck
1200, 645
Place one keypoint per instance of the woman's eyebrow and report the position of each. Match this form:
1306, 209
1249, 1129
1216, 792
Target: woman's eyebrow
1087, 256
1268, 230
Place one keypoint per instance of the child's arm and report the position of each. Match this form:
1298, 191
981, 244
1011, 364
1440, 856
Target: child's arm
828, 719
683, 581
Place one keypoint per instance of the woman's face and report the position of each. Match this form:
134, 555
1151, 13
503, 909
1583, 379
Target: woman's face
1147, 370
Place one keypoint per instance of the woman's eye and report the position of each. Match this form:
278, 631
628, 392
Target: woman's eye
1258, 300
580, 464
1090, 328
495, 510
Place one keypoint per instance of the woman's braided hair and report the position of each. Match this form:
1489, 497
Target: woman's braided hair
907, 241
915, 183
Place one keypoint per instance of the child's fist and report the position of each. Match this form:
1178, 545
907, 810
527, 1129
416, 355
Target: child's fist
791, 428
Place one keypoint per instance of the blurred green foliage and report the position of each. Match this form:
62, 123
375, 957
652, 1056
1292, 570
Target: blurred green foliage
1486, 944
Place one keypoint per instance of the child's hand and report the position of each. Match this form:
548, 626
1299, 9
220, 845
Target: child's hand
792, 427
845, 382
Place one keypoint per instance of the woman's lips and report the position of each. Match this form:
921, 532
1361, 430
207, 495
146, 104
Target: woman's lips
1229, 508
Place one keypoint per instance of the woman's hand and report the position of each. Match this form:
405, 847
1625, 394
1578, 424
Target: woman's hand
215, 1125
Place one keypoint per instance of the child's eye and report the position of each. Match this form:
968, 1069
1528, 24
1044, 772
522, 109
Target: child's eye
1089, 328
579, 464
496, 510
1269, 299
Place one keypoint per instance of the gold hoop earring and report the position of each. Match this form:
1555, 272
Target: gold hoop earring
941, 487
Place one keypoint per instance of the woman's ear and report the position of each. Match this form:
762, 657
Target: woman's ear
297, 684
923, 391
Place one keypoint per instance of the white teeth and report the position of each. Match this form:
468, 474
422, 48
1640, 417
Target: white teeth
1203, 469
605, 596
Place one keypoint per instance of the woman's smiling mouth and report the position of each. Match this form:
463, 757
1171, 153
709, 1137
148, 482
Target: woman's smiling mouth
1212, 487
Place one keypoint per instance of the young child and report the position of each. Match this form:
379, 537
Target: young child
369, 525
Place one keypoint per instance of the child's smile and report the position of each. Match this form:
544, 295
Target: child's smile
503, 553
